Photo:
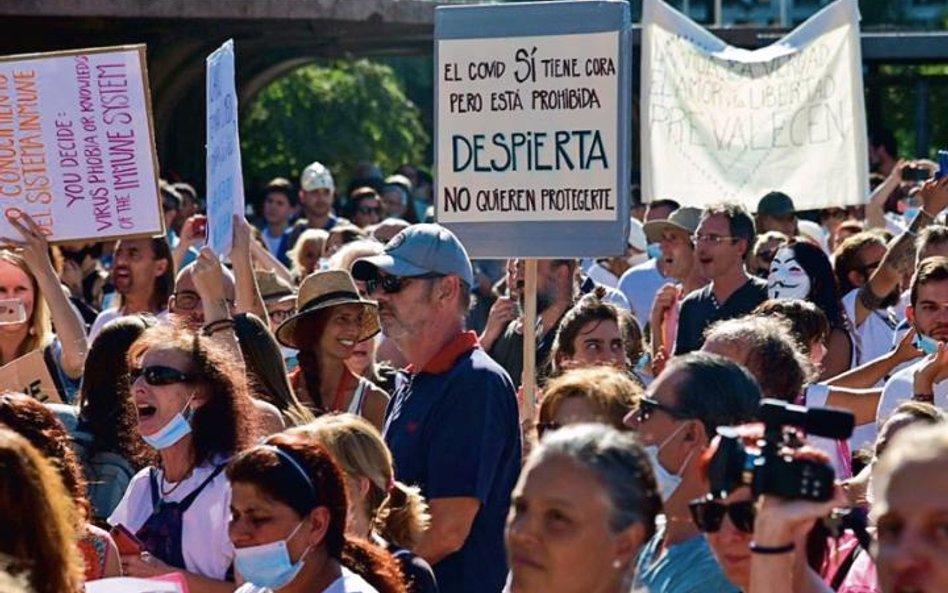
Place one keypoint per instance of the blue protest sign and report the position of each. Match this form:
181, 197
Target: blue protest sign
533, 104
225, 185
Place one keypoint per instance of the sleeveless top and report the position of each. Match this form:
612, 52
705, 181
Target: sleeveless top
298, 384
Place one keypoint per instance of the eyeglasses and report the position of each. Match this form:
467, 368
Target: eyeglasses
281, 315
868, 269
543, 427
158, 375
395, 284
188, 300
368, 210
709, 514
714, 239
648, 406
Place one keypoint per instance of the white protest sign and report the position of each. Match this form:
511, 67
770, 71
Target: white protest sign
528, 128
77, 152
724, 123
133, 585
225, 184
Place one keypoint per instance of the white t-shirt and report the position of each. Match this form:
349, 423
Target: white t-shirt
639, 284
601, 275
349, 582
874, 337
901, 387
273, 243
205, 544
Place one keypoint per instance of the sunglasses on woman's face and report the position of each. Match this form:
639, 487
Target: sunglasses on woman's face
709, 514
158, 375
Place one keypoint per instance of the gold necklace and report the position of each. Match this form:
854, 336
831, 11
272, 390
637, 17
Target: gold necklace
161, 485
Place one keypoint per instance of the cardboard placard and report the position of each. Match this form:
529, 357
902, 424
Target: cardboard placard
77, 150
225, 184
28, 374
533, 104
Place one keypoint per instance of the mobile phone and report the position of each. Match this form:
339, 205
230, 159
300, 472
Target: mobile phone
200, 226
12, 312
126, 541
910, 173
942, 164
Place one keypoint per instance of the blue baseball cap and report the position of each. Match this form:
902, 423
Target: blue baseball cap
419, 249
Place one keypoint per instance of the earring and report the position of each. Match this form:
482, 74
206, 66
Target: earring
617, 564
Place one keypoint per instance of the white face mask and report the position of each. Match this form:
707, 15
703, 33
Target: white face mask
668, 482
787, 278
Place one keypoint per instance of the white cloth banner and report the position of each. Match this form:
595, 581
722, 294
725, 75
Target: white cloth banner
725, 123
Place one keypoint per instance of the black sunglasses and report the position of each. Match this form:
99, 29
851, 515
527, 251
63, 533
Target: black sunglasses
709, 514
395, 284
368, 210
648, 406
158, 375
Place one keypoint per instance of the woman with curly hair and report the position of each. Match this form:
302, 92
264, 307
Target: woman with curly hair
382, 510
38, 539
194, 410
39, 425
288, 529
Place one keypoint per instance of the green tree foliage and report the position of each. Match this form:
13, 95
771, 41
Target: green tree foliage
339, 114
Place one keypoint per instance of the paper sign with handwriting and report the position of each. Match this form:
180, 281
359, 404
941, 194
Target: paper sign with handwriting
225, 185
77, 152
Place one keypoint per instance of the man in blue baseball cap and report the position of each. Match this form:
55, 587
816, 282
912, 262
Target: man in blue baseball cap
453, 427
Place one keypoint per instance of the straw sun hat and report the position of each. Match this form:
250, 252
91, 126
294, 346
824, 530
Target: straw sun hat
323, 290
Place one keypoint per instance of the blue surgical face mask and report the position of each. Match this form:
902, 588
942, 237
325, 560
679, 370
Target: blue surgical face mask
654, 250
926, 344
269, 565
176, 429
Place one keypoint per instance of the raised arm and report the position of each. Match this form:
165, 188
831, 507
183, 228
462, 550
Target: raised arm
69, 328
899, 258
248, 293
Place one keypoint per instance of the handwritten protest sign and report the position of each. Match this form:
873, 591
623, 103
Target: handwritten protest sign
533, 105
28, 374
225, 185
721, 122
77, 152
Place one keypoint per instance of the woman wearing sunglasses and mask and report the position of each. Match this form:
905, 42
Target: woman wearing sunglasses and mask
332, 318
585, 504
288, 524
194, 410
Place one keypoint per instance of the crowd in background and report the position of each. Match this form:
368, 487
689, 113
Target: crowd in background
338, 405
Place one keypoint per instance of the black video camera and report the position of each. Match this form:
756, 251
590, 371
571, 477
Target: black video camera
767, 468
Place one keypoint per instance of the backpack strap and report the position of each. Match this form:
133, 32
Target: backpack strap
153, 481
190, 498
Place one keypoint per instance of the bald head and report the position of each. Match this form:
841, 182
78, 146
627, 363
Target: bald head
186, 302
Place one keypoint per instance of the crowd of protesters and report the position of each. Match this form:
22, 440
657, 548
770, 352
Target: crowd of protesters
339, 406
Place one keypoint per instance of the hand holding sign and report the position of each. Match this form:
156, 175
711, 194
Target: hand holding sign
33, 247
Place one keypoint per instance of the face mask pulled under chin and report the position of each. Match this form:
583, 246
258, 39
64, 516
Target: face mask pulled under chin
269, 565
667, 481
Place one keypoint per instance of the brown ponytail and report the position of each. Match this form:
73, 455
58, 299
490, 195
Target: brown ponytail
373, 564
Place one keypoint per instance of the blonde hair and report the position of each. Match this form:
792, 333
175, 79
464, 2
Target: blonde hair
44, 542
397, 512
610, 393
41, 327
318, 235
